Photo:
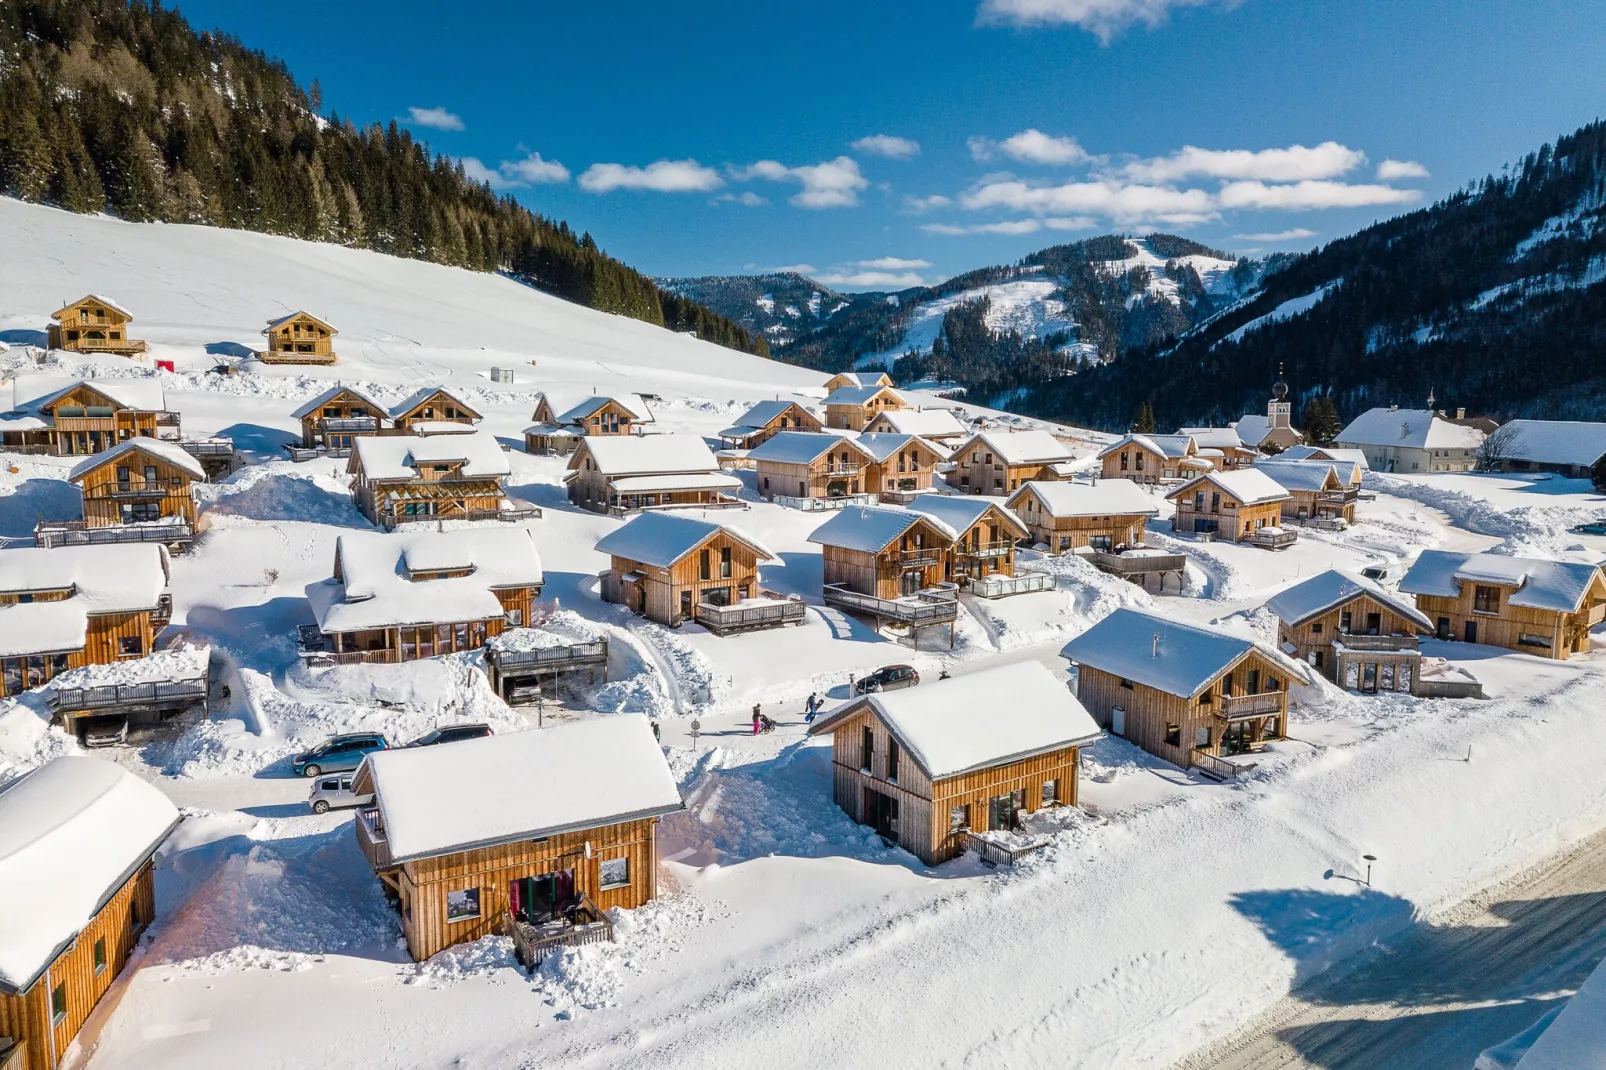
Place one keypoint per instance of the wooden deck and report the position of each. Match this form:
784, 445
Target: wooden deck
1005, 586
728, 620
51, 534
585, 923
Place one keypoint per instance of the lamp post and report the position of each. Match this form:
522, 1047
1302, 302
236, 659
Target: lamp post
1369, 860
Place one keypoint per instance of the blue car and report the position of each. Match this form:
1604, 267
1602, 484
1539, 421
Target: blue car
337, 753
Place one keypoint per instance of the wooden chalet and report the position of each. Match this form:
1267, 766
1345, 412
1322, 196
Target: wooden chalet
625, 473
1186, 693
934, 425
1315, 489
767, 419
76, 895
934, 769
850, 408
855, 379
1544, 608
889, 564
299, 338
902, 467
982, 557
335, 418
798, 468
429, 409
1352, 631
139, 491
546, 435
1244, 506
93, 324
398, 479
86, 416
1103, 521
1157, 458
1355, 459
419, 594
1221, 446
673, 569
532, 834
78, 605
998, 462
608, 416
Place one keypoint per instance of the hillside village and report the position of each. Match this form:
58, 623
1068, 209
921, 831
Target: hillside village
462, 654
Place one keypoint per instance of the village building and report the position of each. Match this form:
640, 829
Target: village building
1411, 440
533, 835
432, 408
86, 416
928, 772
940, 426
1355, 458
850, 408
78, 837
1544, 608
982, 558
93, 324
622, 474
1244, 506
608, 416
1221, 446
810, 470
546, 435
1570, 448
1316, 492
399, 479
902, 467
889, 564
139, 491
673, 569
998, 462
298, 338
420, 594
1158, 458
1273, 432
767, 419
1183, 692
1352, 631
1104, 522
856, 379
335, 418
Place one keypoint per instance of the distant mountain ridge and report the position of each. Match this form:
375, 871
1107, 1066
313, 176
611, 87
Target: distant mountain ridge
777, 306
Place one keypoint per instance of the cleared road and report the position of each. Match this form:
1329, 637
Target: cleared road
1480, 973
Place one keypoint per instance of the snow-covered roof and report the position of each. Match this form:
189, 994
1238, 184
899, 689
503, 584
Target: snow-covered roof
1576, 1038
679, 481
871, 529
805, 447
1298, 475
1316, 453
978, 720
1032, 446
1107, 497
862, 378
962, 511
1171, 446
398, 456
1218, 438
519, 786
552, 431
1160, 652
329, 395
930, 423
647, 455
1557, 586
120, 578
883, 444
1573, 442
1250, 486
1409, 428
1331, 589
96, 298
632, 404
141, 395
274, 324
1252, 429
171, 452
858, 395
765, 411
72, 833
375, 591
418, 397
662, 539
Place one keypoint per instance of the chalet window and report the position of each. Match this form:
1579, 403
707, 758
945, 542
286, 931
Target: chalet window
1173, 734
1003, 811
1201, 737
58, 1003
176, 481
725, 563
463, 904
867, 749
1532, 639
1051, 793
1316, 629
1485, 599
704, 567
150, 474
1198, 501
135, 917
1138, 462
1126, 684
615, 873
892, 760
460, 634
130, 646
1344, 621
1253, 687
513, 618
1226, 685
1215, 502
959, 818
123, 473
1123, 461
100, 954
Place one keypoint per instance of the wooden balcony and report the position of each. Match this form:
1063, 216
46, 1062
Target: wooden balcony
816, 505
108, 345
163, 611
313, 648
1271, 540
208, 447
994, 851
1376, 642
135, 489
508, 516
1217, 768
13, 1054
1133, 564
984, 550
583, 922
920, 557
348, 424
1003, 586
547, 660
127, 698
1246, 707
748, 616
920, 610
77, 533
371, 839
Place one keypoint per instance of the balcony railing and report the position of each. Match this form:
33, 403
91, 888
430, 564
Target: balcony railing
163, 611
933, 607
1272, 540
842, 468
1218, 768
816, 505
984, 550
547, 659
140, 488
208, 447
371, 839
117, 697
718, 501
582, 923
920, 556
1241, 707
994, 852
349, 423
749, 616
78, 533
1338, 497
313, 647
108, 345
1127, 564
1376, 642
509, 516
1004, 586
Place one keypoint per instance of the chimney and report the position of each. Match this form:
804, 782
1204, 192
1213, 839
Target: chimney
1156, 651
1460, 414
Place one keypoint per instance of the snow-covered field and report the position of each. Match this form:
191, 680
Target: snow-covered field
1166, 912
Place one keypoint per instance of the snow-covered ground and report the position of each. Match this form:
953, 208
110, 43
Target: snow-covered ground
1164, 913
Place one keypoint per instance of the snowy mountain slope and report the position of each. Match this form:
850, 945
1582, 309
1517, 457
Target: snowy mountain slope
779, 305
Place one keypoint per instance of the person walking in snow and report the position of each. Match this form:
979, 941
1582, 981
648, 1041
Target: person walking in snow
811, 707
656, 737
757, 719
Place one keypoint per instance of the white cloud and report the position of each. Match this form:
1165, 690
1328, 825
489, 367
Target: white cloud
872, 280
534, 170
1081, 222
434, 118
1102, 18
1124, 203
832, 184
1305, 196
746, 198
950, 229
892, 263
1293, 164
1389, 170
1292, 234
917, 205
663, 176
893, 148
1030, 146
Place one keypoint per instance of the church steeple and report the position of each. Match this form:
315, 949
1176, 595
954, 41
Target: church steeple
1279, 410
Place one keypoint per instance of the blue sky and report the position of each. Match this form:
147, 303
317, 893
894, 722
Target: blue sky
885, 144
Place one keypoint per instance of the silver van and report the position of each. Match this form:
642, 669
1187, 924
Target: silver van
334, 792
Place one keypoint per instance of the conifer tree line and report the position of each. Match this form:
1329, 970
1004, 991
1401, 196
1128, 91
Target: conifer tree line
120, 106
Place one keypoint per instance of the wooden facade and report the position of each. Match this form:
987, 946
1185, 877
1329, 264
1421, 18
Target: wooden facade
299, 338
411, 642
92, 325
919, 558
1362, 644
855, 409
793, 417
721, 570
980, 469
1483, 613
1334, 499
591, 488
83, 420
612, 417
109, 638
1144, 460
842, 469
437, 406
437, 490
986, 547
47, 1015
850, 379
134, 487
909, 469
1062, 534
1206, 507
341, 417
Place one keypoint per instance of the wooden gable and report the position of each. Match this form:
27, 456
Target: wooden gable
1006, 521
438, 400
543, 412
346, 400
85, 396
797, 415
93, 311
310, 325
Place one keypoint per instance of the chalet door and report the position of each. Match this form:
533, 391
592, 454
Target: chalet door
1374, 623
537, 900
1118, 720
881, 813
1369, 678
910, 582
685, 605
1472, 631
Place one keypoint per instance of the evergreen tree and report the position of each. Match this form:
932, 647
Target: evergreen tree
1144, 425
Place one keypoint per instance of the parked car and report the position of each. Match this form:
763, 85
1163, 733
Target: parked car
1378, 573
334, 793
337, 753
1594, 527
887, 678
452, 733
